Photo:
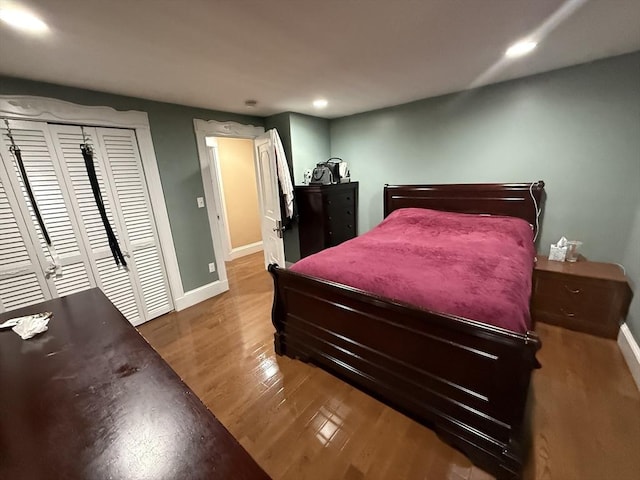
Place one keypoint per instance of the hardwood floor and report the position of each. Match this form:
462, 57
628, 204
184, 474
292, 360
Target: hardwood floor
299, 422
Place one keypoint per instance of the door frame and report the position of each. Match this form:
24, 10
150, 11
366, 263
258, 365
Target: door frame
230, 253
212, 181
44, 109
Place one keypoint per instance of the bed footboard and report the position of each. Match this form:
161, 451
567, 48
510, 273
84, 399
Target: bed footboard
466, 380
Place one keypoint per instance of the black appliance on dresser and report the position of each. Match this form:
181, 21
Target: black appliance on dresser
328, 215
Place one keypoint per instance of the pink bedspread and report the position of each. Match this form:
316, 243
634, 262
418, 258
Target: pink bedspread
473, 266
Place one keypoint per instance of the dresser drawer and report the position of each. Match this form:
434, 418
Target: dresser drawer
340, 215
340, 200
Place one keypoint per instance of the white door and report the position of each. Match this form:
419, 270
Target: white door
269, 197
141, 290
53, 200
22, 280
79, 256
131, 199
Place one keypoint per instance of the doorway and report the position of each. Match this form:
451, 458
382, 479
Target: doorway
217, 142
235, 161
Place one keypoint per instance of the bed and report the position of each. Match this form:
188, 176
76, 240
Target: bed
467, 378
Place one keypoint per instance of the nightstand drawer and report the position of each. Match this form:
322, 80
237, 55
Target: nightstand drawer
603, 327
595, 309
566, 287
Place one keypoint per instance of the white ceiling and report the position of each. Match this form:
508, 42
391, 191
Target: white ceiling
358, 54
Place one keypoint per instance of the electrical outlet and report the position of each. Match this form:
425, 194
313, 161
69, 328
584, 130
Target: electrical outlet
212, 267
200, 202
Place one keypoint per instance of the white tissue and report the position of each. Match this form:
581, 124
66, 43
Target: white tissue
558, 251
31, 325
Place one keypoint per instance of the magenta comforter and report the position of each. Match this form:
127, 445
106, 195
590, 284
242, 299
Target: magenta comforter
473, 266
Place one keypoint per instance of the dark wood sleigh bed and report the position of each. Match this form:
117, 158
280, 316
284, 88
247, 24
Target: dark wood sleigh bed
465, 379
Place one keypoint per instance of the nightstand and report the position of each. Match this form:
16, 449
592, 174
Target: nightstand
589, 297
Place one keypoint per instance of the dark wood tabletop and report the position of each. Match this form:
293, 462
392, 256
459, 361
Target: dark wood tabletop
90, 399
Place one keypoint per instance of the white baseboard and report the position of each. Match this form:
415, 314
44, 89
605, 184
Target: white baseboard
200, 294
244, 250
630, 352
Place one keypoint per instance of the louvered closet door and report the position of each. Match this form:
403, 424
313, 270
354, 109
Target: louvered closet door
22, 280
113, 280
140, 291
52, 198
125, 173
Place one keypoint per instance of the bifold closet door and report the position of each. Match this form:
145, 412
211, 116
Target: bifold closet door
29, 272
52, 197
141, 290
126, 177
22, 280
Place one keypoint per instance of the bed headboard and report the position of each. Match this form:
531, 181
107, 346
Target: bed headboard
510, 199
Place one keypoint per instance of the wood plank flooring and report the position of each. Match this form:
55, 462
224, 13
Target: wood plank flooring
299, 422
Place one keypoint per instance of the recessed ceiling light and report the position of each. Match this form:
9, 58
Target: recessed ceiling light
520, 48
320, 103
23, 20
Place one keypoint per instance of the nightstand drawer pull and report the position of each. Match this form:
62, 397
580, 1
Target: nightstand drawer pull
567, 314
576, 291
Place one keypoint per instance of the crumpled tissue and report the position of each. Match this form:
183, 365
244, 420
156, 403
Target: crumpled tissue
31, 325
558, 251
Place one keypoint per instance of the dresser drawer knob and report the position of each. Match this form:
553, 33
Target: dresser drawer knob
567, 314
576, 291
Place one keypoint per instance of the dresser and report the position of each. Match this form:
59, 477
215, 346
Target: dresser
126, 414
327, 215
589, 297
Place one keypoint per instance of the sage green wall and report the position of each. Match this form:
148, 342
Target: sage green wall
310, 143
176, 152
577, 128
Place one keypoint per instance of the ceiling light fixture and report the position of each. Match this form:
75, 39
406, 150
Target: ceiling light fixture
520, 48
23, 20
320, 103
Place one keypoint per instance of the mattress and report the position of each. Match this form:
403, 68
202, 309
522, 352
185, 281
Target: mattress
472, 266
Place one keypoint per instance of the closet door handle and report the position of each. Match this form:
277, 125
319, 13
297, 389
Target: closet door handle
576, 291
